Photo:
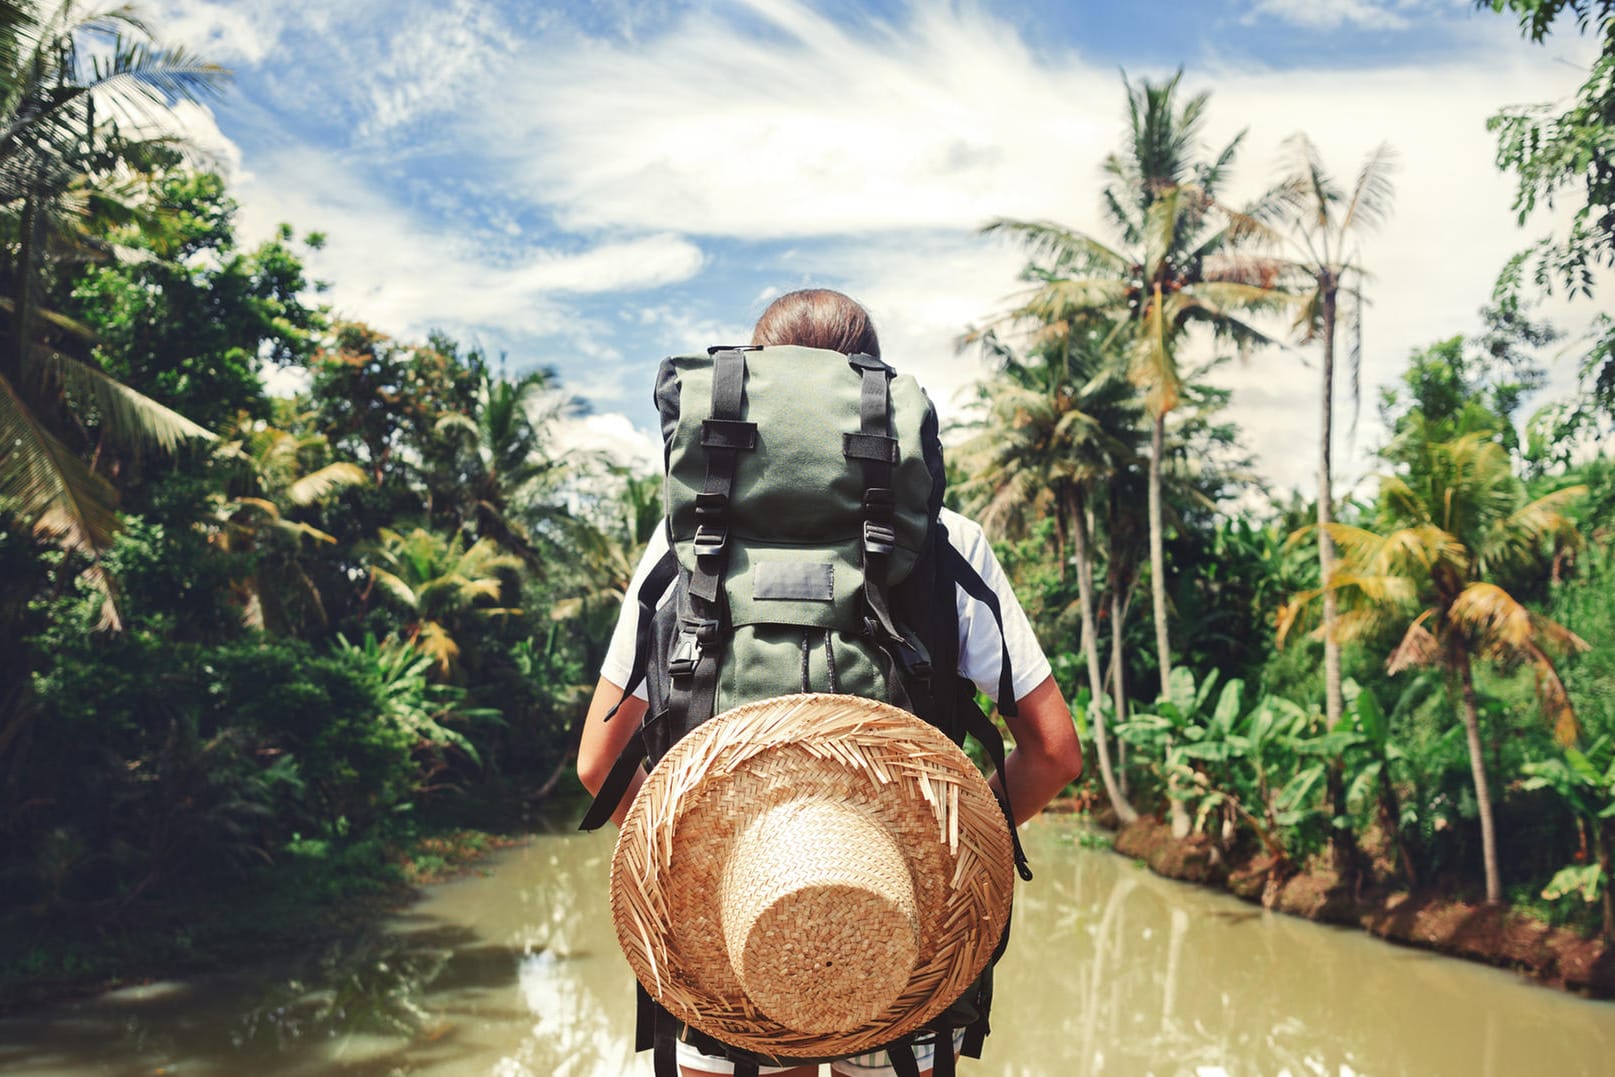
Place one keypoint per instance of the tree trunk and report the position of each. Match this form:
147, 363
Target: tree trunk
1118, 679
1096, 680
1334, 705
1163, 642
1477, 766
1342, 846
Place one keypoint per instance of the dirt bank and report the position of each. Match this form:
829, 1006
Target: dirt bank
1497, 935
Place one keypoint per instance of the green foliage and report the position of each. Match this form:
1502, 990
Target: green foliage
1258, 768
192, 328
1568, 154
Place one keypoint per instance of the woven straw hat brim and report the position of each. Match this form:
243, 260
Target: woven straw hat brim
925, 799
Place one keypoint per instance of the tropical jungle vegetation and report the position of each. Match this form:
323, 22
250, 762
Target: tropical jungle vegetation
252, 636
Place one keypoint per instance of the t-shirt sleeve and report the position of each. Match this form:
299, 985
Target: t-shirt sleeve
980, 654
618, 664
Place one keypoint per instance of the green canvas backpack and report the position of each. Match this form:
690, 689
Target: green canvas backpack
806, 554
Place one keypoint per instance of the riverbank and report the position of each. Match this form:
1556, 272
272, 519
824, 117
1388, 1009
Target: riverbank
1495, 935
312, 894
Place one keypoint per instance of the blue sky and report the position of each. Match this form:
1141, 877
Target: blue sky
593, 186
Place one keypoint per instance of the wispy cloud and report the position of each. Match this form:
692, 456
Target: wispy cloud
1332, 14
572, 172
407, 274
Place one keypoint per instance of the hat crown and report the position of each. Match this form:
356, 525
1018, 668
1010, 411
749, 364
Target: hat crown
819, 915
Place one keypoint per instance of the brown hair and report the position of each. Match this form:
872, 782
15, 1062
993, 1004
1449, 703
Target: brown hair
818, 318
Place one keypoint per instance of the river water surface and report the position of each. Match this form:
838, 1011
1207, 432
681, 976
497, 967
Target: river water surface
514, 971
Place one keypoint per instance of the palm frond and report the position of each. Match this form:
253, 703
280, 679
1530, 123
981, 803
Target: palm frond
130, 418
55, 492
317, 485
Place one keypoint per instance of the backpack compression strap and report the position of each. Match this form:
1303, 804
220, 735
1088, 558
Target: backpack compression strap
876, 451
724, 436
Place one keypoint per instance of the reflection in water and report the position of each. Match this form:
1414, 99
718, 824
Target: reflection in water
1111, 971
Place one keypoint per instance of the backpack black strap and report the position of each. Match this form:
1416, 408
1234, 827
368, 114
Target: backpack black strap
943, 1061
664, 1050
655, 585
963, 573
617, 781
724, 436
745, 1068
978, 725
693, 667
902, 1059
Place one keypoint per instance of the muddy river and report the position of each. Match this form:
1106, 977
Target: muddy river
513, 971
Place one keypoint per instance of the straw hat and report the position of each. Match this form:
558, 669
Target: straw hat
811, 876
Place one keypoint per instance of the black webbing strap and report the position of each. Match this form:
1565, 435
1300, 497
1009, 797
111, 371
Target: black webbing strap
966, 576
724, 436
975, 1035
616, 783
876, 452
943, 1062
978, 725
644, 1018
902, 1057
745, 1067
655, 585
664, 1056
977, 1031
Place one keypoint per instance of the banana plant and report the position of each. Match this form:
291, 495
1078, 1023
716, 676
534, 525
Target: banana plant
1585, 780
1244, 766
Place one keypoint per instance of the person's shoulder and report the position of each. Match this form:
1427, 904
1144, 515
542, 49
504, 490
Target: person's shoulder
964, 534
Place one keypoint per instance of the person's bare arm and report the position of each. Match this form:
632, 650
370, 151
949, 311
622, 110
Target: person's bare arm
603, 741
1047, 755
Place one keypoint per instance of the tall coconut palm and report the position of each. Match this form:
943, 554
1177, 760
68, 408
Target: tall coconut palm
1056, 428
1179, 265
60, 161
1325, 222
1446, 532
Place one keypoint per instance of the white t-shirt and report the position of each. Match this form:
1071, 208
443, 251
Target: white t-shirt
980, 657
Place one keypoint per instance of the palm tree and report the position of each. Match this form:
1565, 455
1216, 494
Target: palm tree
1447, 531
445, 584
276, 474
1055, 430
500, 457
1178, 266
1325, 222
59, 168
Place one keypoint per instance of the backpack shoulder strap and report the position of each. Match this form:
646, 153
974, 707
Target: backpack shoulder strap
634, 752
655, 585
963, 573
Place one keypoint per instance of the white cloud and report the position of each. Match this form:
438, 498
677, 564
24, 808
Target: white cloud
1332, 14
882, 147
407, 275
815, 130
611, 436
223, 32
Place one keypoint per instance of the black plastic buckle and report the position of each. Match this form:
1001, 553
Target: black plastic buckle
685, 657
688, 647
708, 505
879, 538
710, 539
879, 502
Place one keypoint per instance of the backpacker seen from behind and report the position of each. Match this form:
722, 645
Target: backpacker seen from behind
802, 496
